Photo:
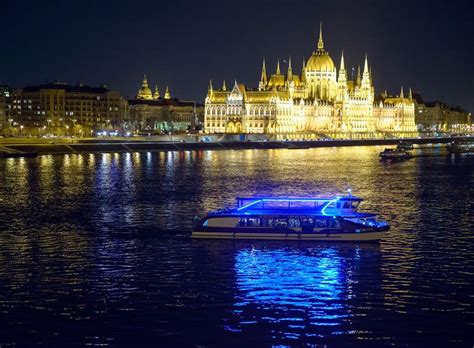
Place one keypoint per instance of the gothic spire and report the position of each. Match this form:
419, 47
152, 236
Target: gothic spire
278, 67
342, 68
156, 93
224, 87
410, 95
263, 78
366, 66
320, 41
290, 70
401, 93
167, 93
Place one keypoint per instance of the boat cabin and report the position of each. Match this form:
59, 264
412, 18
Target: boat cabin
335, 206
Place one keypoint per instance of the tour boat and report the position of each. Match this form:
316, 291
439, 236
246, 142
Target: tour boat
292, 218
395, 154
458, 146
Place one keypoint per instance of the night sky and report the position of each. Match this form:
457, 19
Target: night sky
426, 45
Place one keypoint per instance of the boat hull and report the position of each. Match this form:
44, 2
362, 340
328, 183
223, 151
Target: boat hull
339, 237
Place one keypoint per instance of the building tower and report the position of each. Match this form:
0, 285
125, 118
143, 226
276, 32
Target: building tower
342, 81
320, 73
144, 92
156, 93
263, 78
167, 93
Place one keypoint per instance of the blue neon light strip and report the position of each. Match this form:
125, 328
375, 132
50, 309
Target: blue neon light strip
249, 205
329, 203
288, 199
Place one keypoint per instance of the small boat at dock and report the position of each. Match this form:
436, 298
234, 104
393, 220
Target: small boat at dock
293, 218
395, 154
405, 145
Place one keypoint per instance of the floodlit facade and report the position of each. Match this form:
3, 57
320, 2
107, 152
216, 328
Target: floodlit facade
151, 113
320, 100
61, 109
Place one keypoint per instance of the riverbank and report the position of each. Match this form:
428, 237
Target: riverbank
103, 145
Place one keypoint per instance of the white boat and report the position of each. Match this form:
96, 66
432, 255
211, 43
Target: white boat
293, 218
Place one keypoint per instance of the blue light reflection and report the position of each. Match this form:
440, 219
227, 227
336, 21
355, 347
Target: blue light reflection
293, 287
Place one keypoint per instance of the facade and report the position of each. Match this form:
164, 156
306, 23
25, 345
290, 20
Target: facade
149, 112
5, 105
320, 100
61, 109
439, 116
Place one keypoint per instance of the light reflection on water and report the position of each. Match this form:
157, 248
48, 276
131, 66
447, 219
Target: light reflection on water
276, 280
98, 247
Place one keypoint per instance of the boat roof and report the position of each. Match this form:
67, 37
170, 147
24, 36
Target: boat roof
301, 199
284, 212
291, 206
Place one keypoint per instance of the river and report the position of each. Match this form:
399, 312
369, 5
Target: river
95, 249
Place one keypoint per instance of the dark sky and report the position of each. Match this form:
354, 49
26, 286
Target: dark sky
427, 45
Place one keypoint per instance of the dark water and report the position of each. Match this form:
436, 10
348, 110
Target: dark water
95, 249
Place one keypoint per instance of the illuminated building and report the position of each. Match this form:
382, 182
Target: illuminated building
5, 105
149, 112
58, 108
439, 116
319, 100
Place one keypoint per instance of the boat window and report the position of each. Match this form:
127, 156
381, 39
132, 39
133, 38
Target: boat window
294, 223
280, 222
355, 204
347, 205
276, 204
242, 222
338, 205
253, 222
308, 222
320, 222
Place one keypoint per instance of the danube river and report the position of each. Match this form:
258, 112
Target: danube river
95, 249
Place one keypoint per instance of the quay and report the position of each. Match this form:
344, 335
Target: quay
70, 146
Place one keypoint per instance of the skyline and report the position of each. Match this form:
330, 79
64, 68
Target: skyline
183, 45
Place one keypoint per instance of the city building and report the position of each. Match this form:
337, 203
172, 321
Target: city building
151, 113
320, 100
5, 105
439, 116
60, 109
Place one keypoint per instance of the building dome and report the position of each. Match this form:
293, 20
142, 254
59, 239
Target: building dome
320, 61
144, 92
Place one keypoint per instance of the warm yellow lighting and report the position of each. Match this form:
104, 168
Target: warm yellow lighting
319, 100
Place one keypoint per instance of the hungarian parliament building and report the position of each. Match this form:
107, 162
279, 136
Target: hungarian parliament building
318, 101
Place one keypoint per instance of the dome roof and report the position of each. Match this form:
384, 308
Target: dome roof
144, 92
320, 61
